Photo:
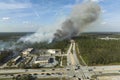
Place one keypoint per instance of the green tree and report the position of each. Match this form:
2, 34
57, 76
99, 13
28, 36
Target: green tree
26, 77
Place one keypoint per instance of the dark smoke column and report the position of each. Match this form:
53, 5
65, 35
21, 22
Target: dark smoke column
81, 17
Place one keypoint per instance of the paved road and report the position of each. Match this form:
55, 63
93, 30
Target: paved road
99, 70
32, 70
41, 73
71, 70
74, 64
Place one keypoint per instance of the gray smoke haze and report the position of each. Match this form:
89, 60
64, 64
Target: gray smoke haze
81, 17
9, 45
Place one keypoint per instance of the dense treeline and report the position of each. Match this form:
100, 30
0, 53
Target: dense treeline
99, 52
12, 35
26, 77
5, 56
54, 45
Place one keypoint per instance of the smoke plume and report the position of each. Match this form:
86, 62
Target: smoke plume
81, 17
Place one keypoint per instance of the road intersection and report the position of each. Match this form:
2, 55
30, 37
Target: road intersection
73, 70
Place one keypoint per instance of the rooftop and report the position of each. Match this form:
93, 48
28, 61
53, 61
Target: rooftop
41, 58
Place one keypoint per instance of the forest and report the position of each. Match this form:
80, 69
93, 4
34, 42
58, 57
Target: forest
5, 56
53, 45
99, 52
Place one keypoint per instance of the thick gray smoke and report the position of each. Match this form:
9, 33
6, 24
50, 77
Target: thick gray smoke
81, 17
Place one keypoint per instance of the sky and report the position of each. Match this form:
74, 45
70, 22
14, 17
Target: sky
32, 15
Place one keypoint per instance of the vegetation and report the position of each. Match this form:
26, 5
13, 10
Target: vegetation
9, 63
64, 61
37, 79
12, 35
35, 66
52, 79
6, 79
58, 58
81, 61
22, 65
25, 77
5, 56
99, 52
54, 45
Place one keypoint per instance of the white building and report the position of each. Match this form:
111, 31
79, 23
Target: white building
27, 51
54, 51
109, 38
42, 60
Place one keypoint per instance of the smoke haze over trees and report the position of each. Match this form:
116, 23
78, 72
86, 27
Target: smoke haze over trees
81, 17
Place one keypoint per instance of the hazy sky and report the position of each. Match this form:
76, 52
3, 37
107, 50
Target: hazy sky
30, 15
